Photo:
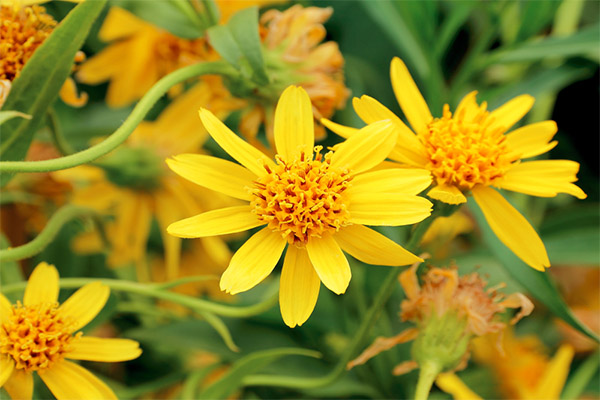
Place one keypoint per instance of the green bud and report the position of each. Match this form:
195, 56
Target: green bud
136, 168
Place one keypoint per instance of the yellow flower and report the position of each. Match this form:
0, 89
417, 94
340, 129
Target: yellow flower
439, 237
40, 335
522, 368
315, 203
134, 184
469, 151
24, 26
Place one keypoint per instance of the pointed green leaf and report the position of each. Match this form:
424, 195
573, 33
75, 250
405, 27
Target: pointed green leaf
8, 115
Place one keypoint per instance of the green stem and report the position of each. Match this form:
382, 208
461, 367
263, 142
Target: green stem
60, 218
386, 290
123, 132
428, 372
156, 291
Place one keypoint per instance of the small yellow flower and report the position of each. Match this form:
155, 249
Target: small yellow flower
315, 203
522, 369
469, 151
40, 335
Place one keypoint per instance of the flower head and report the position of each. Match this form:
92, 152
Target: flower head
39, 335
470, 151
315, 203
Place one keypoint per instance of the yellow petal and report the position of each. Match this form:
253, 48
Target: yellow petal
85, 304
5, 309
244, 153
409, 97
168, 209
294, 124
511, 112
68, 381
42, 286
330, 263
372, 247
511, 227
450, 383
216, 222
343, 131
103, 65
365, 150
7, 365
468, 108
388, 209
68, 94
105, 350
392, 180
553, 380
253, 262
382, 344
544, 178
448, 194
118, 24
214, 173
298, 287
531, 140
408, 147
20, 385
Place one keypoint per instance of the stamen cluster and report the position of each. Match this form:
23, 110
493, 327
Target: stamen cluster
464, 150
35, 336
302, 198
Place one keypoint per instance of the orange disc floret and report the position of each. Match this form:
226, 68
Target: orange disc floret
22, 31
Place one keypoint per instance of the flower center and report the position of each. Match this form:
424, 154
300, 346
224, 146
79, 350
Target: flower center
35, 336
464, 151
302, 198
22, 30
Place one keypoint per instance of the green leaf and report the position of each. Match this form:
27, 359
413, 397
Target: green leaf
583, 43
535, 16
239, 43
38, 85
10, 271
8, 115
219, 326
537, 283
457, 16
176, 16
580, 379
245, 366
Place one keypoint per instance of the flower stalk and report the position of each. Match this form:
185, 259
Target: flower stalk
427, 374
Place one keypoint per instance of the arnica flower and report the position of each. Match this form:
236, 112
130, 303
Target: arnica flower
39, 335
295, 55
134, 185
23, 28
448, 311
522, 370
469, 151
315, 203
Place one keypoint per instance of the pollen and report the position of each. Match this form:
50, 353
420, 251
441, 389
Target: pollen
465, 150
35, 336
22, 31
302, 198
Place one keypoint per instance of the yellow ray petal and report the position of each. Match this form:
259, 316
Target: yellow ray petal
468, 107
343, 131
408, 146
511, 112
388, 209
103, 65
168, 209
7, 365
511, 227
68, 94
294, 124
330, 263
392, 180
42, 286
214, 173
298, 287
105, 350
382, 344
20, 385
244, 153
118, 24
450, 383
366, 149
409, 97
544, 178
67, 380
85, 304
372, 247
531, 140
5, 309
253, 262
448, 194
553, 380
216, 222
